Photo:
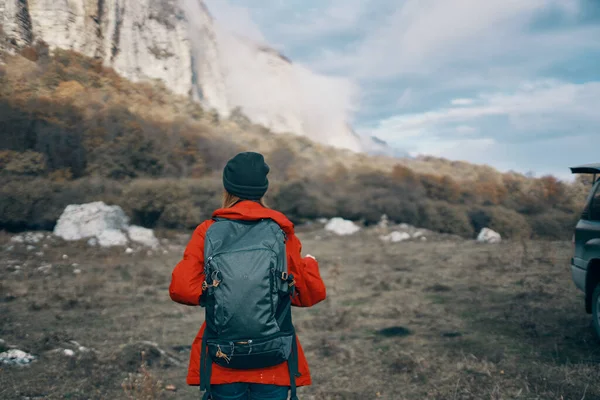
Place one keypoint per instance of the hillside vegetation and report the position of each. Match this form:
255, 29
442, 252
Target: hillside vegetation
74, 131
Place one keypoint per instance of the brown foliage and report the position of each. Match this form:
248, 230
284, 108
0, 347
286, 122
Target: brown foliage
161, 202
68, 117
22, 163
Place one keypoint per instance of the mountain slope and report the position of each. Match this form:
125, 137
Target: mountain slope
156, 39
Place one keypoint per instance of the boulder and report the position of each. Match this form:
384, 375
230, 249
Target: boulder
341, 226
101, 225
395, 237
82, 221
142, 236
489, 236
16, 357
112, 237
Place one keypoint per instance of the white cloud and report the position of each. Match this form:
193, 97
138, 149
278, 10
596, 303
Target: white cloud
513, 129
465, 130
235, 19
328, 18
405, 98
461, 102
425, 36
283, 96
536, 106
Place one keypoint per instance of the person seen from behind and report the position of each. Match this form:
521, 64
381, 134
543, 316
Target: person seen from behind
245, 267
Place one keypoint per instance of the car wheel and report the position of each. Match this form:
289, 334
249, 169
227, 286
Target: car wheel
596, 310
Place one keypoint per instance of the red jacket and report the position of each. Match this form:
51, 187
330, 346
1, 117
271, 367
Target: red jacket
186, 288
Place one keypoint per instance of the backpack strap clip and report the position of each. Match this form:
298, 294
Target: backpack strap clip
289, 278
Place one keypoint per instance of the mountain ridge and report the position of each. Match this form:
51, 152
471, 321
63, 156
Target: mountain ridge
182, 45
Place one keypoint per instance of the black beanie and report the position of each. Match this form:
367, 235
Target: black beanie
245, 176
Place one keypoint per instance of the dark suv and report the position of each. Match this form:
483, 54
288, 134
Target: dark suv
585, 264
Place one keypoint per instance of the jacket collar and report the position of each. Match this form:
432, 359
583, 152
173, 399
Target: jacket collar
247, 210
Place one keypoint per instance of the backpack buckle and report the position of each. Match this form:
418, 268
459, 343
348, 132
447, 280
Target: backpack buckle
284, 276
216, 278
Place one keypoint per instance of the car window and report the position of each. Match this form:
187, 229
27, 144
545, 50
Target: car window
595, 205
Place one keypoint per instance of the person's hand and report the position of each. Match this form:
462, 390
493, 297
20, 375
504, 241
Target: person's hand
313, 257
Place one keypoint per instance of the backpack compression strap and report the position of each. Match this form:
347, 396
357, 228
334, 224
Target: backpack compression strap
205, 370
293, 369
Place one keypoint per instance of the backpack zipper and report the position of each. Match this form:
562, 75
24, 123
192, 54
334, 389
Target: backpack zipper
239, 251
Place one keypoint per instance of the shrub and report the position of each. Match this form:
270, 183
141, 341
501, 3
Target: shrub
162, 203
296, 201
442, 217
556, 225
33, 204
441, 188
38, 203
22, 163
280, 160
507, 223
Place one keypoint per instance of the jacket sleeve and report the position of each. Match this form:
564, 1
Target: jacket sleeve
310, 288
188, 275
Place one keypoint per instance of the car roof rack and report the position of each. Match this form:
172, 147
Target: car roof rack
593, 169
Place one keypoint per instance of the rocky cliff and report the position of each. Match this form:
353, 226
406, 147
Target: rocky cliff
184, 47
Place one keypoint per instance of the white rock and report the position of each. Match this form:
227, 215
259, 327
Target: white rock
417, 234
77, 271
64, 256
16, 357
17, 239
68, 352
45, 268
489, 236
74, 265
30, 247
102, 225
82, 221
39, 253
165, 251
396, 236
143, 236
322, 220
405, 226
112, 237
341, 226
28, 237
383, 222
34, 237
423, 239
129, 250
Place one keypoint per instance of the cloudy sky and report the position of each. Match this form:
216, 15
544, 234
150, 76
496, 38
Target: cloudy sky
510, 83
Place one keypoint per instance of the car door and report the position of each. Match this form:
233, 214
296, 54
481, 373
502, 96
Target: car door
588, 229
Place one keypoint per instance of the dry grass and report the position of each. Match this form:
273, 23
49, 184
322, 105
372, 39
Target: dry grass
442, 319
143, 385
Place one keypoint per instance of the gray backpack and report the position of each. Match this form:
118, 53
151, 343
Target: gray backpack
247, 299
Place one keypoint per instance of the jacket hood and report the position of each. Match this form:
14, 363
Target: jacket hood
250, 211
